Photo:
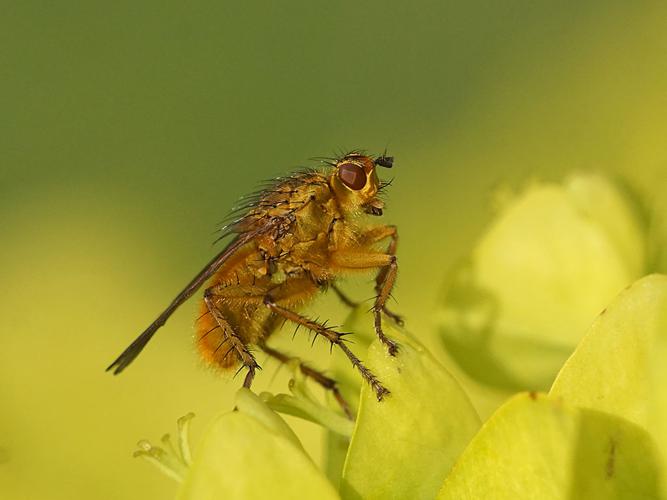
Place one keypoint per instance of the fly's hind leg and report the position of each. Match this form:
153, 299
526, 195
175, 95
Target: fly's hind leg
317, 376
235, 343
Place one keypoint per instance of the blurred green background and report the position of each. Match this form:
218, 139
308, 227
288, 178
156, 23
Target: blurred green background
128, 129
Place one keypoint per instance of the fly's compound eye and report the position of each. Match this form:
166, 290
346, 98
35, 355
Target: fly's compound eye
352, 175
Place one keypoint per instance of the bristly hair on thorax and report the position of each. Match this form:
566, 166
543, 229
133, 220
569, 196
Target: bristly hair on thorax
248, 203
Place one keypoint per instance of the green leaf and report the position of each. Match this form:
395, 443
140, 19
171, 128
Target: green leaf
657, 418
550, 261
538, 447
403, 446
252, 453
614, 208
620, 366
612, 368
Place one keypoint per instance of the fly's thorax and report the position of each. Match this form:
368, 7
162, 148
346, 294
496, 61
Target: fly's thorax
307, 255
284, 200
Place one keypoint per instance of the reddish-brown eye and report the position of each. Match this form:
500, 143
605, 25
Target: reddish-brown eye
352, 175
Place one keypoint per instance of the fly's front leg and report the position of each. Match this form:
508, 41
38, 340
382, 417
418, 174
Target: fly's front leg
376, 235
379, 233
236, 344
317, 376
372, 260
332, 336
383, 290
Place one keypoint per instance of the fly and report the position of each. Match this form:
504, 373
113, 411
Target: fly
292, 240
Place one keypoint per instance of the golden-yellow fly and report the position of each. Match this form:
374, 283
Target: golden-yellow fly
291, 240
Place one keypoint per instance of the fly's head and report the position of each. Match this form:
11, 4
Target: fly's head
356, 184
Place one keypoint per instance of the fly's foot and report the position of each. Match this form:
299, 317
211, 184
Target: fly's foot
380, 391
392, 346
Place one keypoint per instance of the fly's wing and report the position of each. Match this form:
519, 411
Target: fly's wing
140, 342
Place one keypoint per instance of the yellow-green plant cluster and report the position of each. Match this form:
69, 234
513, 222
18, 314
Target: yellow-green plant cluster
552, 304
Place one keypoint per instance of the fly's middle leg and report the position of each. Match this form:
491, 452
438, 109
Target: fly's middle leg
336, 338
